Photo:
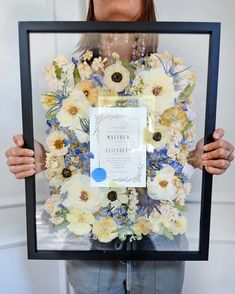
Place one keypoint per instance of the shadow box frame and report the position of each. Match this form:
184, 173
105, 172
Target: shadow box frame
204, 28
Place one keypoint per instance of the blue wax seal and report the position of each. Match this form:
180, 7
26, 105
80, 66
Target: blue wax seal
99, 174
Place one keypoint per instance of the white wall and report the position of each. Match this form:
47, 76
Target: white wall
217, 275
17, 274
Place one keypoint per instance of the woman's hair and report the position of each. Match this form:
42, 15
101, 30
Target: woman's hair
90, 41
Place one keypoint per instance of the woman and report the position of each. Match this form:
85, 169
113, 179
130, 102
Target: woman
108, 276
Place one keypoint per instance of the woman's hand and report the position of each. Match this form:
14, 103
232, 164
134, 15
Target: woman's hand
21, 161
218, 154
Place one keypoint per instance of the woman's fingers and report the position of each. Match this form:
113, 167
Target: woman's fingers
25, 174
218, 133
218, 144
15, 169
18, 151
18, 139
214, 170
14, 160
217, 163
216, 154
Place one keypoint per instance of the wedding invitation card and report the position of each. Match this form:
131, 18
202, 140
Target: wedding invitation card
116, 141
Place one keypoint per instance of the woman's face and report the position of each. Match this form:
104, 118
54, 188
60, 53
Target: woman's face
117, 10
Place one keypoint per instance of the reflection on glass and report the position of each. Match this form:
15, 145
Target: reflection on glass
122, 116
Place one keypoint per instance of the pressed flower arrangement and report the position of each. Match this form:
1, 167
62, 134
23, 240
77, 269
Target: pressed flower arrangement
163, 85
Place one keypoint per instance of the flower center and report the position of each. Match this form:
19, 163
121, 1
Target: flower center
157, 90
163, 184
59, 144
66, 173
157, 136
112, 196
116, 77
73, 110
86, 93
84, 196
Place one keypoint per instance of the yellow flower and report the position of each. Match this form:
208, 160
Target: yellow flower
54, 165
104, 229
61, 60
116, 77
158, 138
48, 101
91, 93
87, 55
142, 227
79, 221
73, 109
55, 143
50, 72
158, 223
180, 226
174, 117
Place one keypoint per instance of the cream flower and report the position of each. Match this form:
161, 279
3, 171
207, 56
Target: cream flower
116, 77
104, 229
55, 143
54, 165
84, 70
50, 72
98, 64
48, 101
180, 226
158, 87
51, 206
61, 60
87, 55
88, 89
158, 138
158, 223
81, 195
154, 61
73, 109
163, 187
142, 227
115, 197
80, 221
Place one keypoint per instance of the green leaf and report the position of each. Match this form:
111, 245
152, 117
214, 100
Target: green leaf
180, 208
187, 92
58, 71
168, 234
127, 65
76, 75
50, 116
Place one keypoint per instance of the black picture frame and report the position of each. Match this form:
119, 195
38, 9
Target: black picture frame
205, 28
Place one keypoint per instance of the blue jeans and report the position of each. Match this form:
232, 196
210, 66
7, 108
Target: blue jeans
152, 277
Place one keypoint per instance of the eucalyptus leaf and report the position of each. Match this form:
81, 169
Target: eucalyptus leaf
168, 234
76, 75
131, 70
187, 92
180, 207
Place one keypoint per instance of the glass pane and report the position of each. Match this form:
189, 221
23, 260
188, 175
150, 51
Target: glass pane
119, 123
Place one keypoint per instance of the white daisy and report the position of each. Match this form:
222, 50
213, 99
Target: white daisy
55, 143
81, 195
158, 87
73, 109
116, 77
162, 187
